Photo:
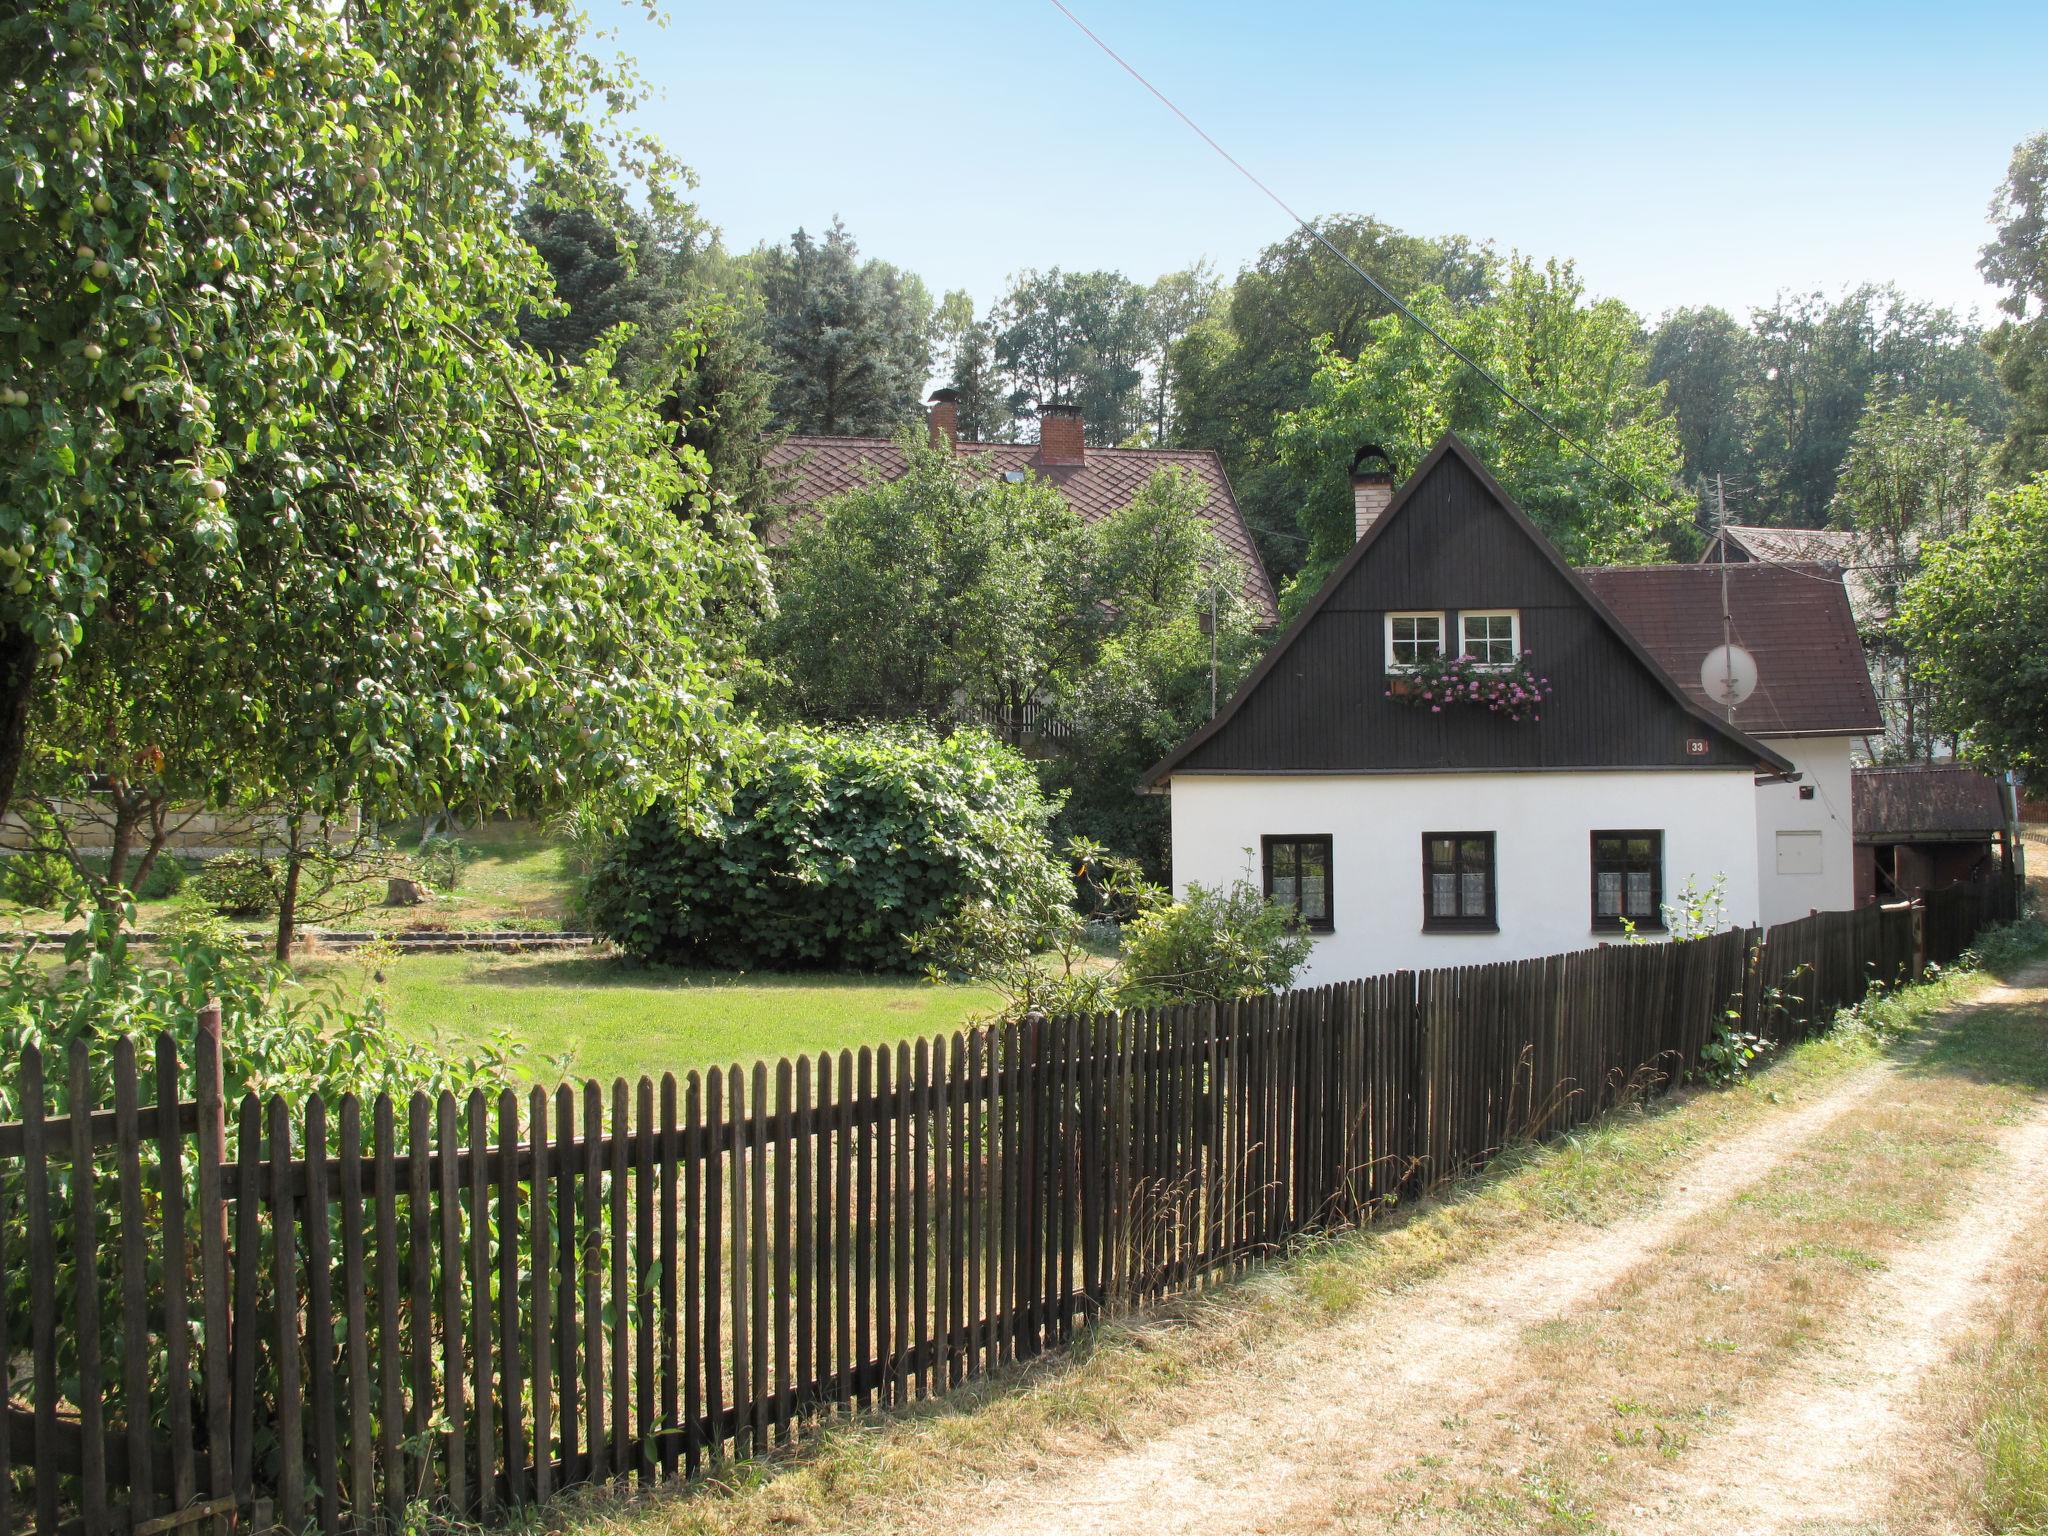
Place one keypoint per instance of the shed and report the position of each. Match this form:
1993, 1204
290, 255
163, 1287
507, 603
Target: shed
1924, 826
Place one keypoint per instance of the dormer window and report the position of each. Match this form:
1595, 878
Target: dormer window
1492, 639
1413, 638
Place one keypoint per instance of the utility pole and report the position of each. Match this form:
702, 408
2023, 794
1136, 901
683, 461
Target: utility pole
1727, 618
1212, 648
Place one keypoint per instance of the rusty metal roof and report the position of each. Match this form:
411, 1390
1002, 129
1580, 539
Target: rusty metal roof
1925, 801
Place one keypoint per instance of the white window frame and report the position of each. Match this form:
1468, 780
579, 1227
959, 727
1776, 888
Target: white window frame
1442, 634
1514, 618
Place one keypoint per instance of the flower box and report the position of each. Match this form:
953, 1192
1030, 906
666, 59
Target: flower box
1513, 690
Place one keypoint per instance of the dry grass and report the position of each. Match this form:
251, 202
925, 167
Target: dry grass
1983, 1419
1599, 1404
1140, 1375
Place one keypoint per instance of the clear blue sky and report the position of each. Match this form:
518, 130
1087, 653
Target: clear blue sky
1702, 152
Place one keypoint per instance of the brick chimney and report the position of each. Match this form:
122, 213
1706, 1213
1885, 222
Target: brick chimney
1059, 436
944, 419
1372, 486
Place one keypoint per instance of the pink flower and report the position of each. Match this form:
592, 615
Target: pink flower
1436, 709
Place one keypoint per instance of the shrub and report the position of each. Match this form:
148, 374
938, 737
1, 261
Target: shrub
237, 884
837, 847
39, 878
1215, 944
166, 878
442, 860
1037, 950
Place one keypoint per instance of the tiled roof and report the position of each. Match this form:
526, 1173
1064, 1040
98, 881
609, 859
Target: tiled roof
819, 467
1794, 619
1800, 546
1925, 800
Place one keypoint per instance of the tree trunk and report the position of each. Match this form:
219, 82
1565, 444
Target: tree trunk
120, 843
159, 835
20, 662
288, 897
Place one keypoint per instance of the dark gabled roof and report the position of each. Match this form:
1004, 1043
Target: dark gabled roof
1925, 801
821, 467
1450, 447
1796, 621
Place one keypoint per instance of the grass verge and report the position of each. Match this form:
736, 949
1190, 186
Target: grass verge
1120, 1383
598, 1016
2012, 1422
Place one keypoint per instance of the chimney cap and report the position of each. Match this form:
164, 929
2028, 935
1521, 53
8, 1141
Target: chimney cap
1383, 471
1060, 408
946, 396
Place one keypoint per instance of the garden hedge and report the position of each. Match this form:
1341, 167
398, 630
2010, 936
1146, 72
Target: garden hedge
838, 846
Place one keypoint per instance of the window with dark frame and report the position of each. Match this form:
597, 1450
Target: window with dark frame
1458, 883
1628, 880
1298, 876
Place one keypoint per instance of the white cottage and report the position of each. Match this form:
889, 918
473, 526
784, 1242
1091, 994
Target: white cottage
1459, 753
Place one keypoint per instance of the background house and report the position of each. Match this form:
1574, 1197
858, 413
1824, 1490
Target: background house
1409, 833
1094, 481
1813, 701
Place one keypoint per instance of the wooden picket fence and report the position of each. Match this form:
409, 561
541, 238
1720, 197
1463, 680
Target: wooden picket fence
1956, 914
322, 1314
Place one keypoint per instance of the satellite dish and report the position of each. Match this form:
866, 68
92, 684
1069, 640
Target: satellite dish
1728, 675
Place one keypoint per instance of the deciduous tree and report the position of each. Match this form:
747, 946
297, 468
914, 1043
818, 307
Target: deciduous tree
1818, 361
1974, 618
1580, 364
949, 584
1237, 372
2016, 260
1914, 475
269, 428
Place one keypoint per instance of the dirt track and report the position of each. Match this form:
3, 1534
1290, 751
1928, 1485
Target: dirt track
1742, 1355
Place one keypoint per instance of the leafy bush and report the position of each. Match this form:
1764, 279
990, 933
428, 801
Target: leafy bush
442, 860
276, 1035
40, 878
836, 848
1039, 951
237, 884
1215, 944
166, 878
276, 1038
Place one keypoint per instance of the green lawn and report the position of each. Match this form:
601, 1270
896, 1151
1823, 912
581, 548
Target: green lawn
609, 1018
517, 876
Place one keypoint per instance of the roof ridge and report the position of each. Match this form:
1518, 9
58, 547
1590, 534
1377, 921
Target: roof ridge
1450, 445
1732, 566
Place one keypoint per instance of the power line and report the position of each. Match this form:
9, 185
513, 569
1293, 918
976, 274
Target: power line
1578, 447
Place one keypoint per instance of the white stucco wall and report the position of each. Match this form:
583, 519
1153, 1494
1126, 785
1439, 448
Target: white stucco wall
1787, 893
1542, 824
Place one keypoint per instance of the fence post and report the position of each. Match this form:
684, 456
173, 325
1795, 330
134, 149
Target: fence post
212, 1150
1919, 915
